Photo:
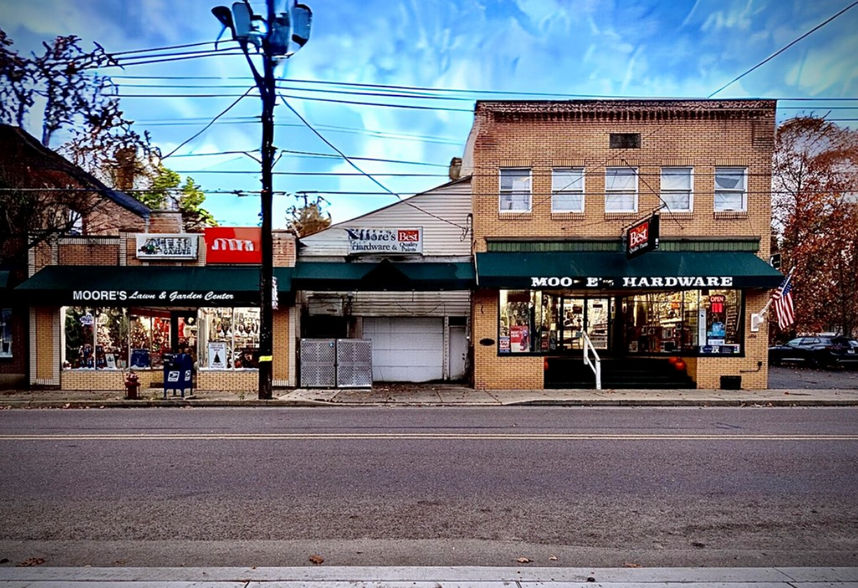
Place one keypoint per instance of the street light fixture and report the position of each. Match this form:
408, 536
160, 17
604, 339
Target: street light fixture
276, 37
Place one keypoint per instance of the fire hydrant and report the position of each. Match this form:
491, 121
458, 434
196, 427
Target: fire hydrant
132, 385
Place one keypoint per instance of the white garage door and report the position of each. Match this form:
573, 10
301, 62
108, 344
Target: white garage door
405, 349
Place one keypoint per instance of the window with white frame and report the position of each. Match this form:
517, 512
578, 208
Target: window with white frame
731, 189
567, 189
515, 190
621, 189
676, 185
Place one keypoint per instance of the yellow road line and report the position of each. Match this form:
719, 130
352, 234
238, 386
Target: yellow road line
417, 437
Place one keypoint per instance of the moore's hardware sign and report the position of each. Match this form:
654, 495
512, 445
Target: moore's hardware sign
365, 240
180, 246
633, 282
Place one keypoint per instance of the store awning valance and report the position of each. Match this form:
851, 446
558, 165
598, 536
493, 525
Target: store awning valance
382, 276
613, 271
148, 286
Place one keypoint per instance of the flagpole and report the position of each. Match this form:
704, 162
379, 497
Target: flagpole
782, 287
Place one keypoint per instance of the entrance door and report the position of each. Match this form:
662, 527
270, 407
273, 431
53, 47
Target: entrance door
458, 352
580, 315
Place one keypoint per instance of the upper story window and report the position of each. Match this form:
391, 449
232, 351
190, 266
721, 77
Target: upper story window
676, 185
731, 189
515, 190
621, 189
567, 189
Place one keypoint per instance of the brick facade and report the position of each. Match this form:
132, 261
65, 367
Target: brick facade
542, 136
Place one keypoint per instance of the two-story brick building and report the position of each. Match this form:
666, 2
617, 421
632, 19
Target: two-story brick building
557, 186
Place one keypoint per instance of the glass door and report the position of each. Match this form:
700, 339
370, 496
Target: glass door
598, 321
580, 315
572, 324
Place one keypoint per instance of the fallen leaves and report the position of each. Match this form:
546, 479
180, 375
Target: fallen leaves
631, 565
316, 559
552, 558
32, 561
523, 560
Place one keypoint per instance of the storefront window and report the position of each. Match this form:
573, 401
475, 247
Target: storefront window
95, 338
516, 321
230, 337
687, 322
150, 338
720, 315
5, 332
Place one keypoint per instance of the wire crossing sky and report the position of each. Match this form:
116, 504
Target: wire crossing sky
391, 85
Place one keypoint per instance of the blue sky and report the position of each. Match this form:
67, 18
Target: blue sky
607, 48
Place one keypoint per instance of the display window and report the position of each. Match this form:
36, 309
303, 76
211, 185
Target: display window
705, 322
95, 338
230, 338
150, 338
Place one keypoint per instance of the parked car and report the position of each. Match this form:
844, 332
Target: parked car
817, 350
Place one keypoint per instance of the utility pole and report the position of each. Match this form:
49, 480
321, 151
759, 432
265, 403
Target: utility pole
277, 36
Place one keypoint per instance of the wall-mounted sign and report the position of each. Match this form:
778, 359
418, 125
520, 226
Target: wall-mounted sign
234, 245
385, 240
161, 246
642, 237
633, 282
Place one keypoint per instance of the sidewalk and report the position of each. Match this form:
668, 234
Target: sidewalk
418, 577
418, 395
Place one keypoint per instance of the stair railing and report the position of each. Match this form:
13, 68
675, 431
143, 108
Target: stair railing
596, 365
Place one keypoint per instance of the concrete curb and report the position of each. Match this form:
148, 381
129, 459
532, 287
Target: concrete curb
303, 403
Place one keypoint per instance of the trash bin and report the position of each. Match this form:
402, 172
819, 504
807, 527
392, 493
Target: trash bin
178, 373
731, 382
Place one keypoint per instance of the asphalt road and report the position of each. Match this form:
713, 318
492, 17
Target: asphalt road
798, 377
559, 486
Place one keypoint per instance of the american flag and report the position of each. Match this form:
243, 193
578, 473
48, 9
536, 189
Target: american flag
784, 306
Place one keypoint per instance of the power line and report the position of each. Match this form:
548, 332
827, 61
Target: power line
477, 92
222, 112
784, 48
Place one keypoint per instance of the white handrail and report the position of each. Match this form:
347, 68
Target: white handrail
597, 367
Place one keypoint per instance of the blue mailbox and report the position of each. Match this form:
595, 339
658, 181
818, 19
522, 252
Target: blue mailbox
178, 373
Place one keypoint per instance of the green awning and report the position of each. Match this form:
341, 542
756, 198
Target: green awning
148, 285
611, 270
381, 276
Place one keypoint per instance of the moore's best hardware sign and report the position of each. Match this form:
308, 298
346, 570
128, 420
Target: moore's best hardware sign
366, 240
161, 246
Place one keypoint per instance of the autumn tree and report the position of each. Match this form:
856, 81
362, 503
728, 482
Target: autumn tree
167, 191
309, 218
102, 140
815, 215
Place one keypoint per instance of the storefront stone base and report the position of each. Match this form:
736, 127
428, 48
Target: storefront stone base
239, 381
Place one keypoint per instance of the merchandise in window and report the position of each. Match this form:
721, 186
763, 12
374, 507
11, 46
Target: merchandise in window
516, 321
621, 189
676, 188
567, 190
730, 189
5, 332
720, 324
514, 190
149, 338
661, 322
230, 338
95, 338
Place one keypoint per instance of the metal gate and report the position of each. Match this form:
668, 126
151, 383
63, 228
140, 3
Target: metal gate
354, 363
341, 363
318, 363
